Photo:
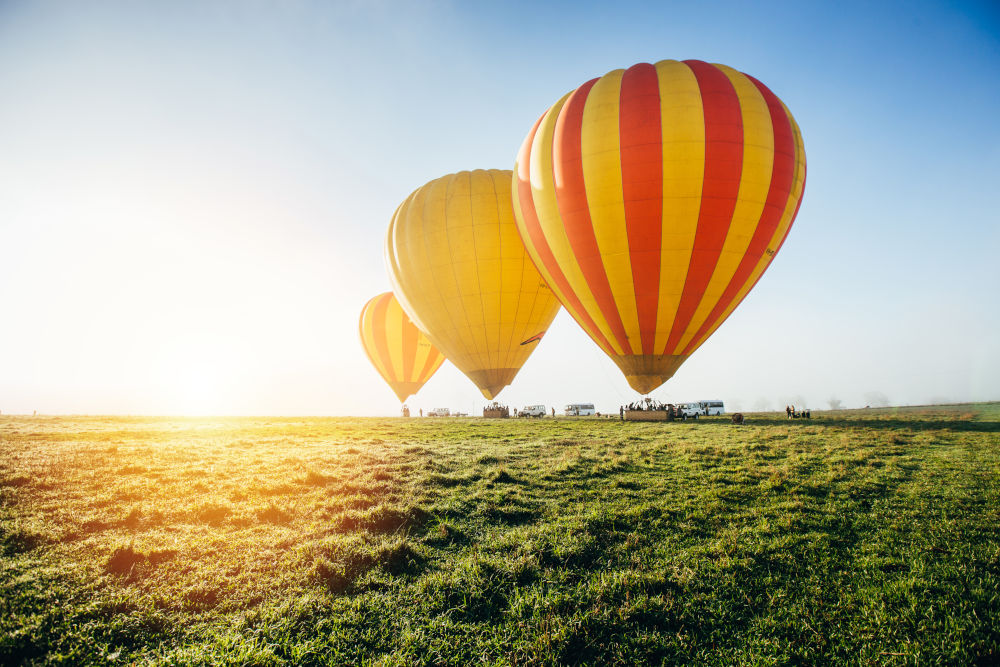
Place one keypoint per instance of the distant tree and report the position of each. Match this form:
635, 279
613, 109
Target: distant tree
835, 403
876, 399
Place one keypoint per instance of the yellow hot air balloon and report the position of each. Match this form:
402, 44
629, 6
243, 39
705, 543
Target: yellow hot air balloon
397, 349
652, 199
460, 271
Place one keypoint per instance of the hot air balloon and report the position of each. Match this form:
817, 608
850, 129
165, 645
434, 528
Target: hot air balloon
652, 199
397, 349
460, 271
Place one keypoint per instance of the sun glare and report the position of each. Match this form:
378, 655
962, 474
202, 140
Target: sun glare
197, 383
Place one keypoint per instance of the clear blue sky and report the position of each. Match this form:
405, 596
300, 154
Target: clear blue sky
193, 195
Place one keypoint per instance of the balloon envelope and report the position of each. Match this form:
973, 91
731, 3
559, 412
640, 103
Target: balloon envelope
652, 199
397, 349
461, 272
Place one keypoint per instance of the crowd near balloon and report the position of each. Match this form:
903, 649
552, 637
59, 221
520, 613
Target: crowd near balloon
648, 202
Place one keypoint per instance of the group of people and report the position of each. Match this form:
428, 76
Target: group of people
673, 411
494, 409
647, 404
792, 414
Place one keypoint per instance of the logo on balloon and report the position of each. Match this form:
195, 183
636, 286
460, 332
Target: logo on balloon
533, 339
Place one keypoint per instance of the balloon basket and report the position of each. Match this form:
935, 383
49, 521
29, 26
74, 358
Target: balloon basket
648, 416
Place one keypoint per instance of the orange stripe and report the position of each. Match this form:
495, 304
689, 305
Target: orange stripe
433, 357
782, 177
723, 166
409, 336
536, 241
642, 187
571, 198
797, 206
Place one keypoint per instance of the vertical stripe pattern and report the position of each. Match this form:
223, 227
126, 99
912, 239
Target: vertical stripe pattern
402, 355
652, 199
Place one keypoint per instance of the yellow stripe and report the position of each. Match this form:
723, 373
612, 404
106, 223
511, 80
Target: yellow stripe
755, 181
682, 120
424, 350
393, 338
368, 338
543, 194
602, 174
772, 247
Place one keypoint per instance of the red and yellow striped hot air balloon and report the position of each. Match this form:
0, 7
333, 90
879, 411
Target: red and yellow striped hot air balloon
652, 199
397, 349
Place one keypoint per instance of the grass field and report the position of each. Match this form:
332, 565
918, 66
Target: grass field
859, 537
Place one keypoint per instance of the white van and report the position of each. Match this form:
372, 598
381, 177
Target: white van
439, 412
532, 411
579, 410
712, 407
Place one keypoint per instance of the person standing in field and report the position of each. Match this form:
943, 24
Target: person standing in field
788, 412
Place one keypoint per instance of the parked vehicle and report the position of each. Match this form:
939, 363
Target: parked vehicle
579, 409
712, 407
532, 411
439, 412
690, 409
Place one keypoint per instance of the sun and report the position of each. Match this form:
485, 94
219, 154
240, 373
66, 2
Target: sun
196, 380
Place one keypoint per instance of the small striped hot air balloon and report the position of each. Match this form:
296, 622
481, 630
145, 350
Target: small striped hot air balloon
652, 199
460, 271
397, 349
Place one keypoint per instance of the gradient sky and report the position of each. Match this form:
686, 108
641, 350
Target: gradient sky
194, 195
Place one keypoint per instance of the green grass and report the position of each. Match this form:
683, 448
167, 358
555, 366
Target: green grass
859, 537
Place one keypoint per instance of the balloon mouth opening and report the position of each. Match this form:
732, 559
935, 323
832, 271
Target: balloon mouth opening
646, 372
404, 390
491, 381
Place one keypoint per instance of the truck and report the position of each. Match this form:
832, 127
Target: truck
439, 412
532, 411
689, 410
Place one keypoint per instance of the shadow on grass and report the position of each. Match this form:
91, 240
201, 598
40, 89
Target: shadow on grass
17, 539
131, 565
340, 567
383, 519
